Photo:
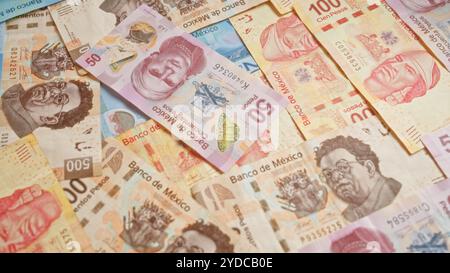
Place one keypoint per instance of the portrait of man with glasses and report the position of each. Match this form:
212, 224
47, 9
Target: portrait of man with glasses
351, 170
56, 105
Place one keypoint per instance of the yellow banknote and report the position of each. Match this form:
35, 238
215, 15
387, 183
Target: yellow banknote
321, 98
35, 216
41, 93
385, 61
132, 208
180, 164
322, 185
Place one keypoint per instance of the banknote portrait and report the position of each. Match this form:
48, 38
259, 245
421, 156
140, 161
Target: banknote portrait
50, 61
424, 5
363, 240
55, 105
352, 171
403, 78
25, 216
122, 8
286, 40
144, 229
300, 194
201, 238
119, 121
158, 76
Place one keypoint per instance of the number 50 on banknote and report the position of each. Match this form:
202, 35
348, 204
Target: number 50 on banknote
200, 96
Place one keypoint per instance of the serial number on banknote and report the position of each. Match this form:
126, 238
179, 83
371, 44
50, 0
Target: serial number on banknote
405, 215
322, 232
231, 75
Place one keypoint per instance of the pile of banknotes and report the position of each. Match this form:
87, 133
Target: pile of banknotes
225, 126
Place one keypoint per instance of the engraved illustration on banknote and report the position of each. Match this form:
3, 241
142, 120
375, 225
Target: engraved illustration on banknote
287, 39
402, 78
351, 170
158, 76
56, 105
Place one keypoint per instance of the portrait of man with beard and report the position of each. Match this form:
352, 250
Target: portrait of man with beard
352, 171
55, 105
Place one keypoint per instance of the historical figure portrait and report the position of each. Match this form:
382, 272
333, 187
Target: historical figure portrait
158, 76
145, 228
201, 238
25, 216
352, 171
286, 40
50, 61
424, 5
363, 240
403, 78
300, 194
55, 105
122, 8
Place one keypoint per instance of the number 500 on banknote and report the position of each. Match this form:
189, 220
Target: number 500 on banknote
200, 96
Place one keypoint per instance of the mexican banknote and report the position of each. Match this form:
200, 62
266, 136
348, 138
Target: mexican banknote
119, 116
131, 208
385, 62
177, 161
34, 213
418, 223
41, 93
180, 164
321, 99
13, 8
200, 96
430, 20
438, 144
83, 23
320, 186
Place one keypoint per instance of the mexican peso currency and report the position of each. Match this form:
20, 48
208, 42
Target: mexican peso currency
430, 21
83, 23
321, 99
34, 213
385, 62
320, 186
131, 208
41, 93
418, 223
200, 96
